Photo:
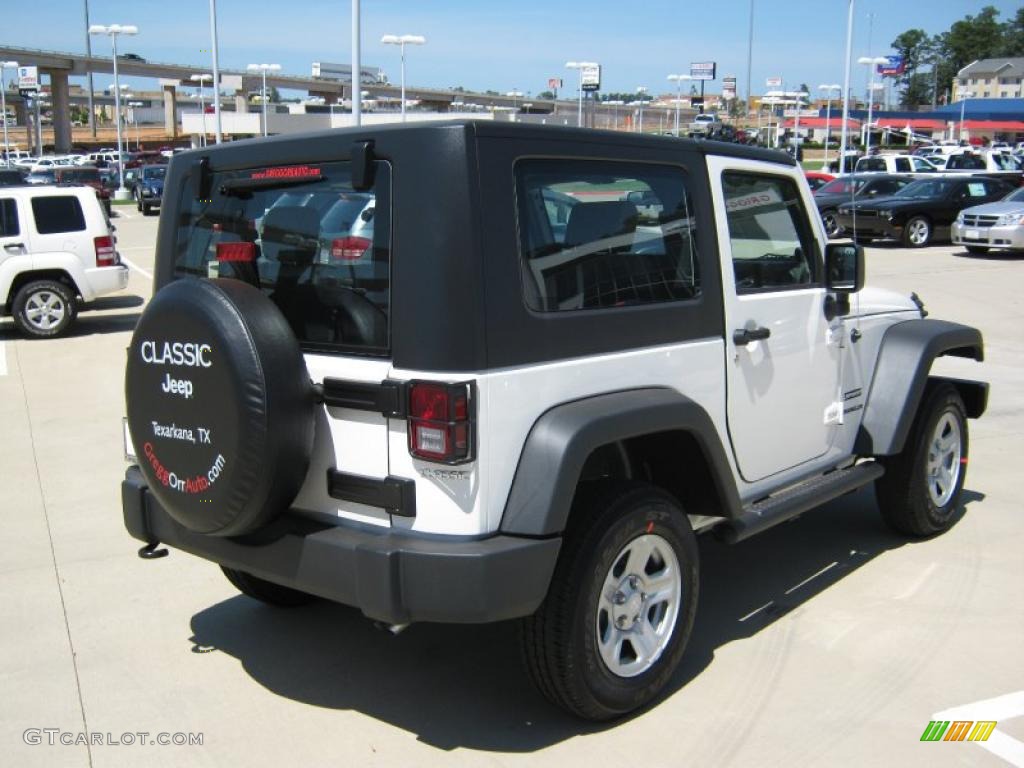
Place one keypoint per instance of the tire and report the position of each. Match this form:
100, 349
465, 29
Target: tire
266, 591
562, 641
832, 228
44, 308
138, 203
915, 501
145, 209
977, 249
917, 232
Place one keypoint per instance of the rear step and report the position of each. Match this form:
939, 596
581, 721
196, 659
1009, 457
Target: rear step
782, 506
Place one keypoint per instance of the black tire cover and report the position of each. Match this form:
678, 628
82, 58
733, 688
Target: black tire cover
220, 405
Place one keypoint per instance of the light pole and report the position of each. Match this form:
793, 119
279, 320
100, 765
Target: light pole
402, 41
750, 52
88, 52
3, 100
846, 87
357, 69
964, 96
112, 31
216, 73
135, 119
202, 107
640, 91
263, 69
516, 95
800, 95
678, 79
580, 65
828, 114
871, 62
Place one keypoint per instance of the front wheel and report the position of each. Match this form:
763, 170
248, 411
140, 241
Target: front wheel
920, 490
620, 608
44, 308
917, 232
832, 228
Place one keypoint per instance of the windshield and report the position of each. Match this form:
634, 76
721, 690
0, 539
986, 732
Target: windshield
152, 174
1017, 196
926, 188
842, 187
320, 250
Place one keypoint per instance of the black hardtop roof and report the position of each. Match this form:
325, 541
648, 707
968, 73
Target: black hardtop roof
425, 131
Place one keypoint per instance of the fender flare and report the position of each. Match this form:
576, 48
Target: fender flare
563, 437
902, 369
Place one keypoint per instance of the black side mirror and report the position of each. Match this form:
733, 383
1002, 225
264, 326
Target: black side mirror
844, 267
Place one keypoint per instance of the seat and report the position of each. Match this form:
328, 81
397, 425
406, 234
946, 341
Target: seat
589, 222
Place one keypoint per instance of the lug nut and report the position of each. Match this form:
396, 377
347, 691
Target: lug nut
619, 597
620, 622
634, 582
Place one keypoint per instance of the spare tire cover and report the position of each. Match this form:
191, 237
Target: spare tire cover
220, 405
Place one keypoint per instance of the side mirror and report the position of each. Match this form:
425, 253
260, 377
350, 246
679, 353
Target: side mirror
844, 267
636, 197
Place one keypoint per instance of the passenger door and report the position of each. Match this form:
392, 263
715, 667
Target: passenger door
782, 354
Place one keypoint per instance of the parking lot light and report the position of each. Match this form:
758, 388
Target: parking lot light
965, 95
3, 100
263, 69
678, 79
828, 113
640, 91
872, 62
402, 41
112, 31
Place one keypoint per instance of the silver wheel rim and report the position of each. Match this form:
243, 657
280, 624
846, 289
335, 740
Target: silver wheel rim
831, 225
944, 454
45, 310
918, 232
638, 605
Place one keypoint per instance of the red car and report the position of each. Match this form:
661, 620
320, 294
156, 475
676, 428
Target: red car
817, 179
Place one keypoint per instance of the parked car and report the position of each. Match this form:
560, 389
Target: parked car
47, 176
998, 225
816, 179
920, 212
131, 57
56, 250
149, 187
847, 188
894, 164
996, 164
87, 175
510, 419
11, 177
704, 124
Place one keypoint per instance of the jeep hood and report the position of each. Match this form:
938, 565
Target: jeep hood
880, 301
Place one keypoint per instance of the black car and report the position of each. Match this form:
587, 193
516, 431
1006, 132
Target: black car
844, 190
920, 212
11, 177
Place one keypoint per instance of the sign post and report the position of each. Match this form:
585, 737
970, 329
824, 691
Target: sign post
702, 70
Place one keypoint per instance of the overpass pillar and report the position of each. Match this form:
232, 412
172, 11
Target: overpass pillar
61, 111
241, 102
170, 111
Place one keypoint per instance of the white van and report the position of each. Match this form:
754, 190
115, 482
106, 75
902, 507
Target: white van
56, 249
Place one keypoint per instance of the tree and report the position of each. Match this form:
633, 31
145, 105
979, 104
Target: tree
546, 95
1013, 35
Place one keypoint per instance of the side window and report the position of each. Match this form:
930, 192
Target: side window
9, 218
58, 213
773, 247
599, 234
902, 164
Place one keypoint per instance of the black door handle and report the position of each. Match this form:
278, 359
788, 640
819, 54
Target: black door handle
743, 336
12, 246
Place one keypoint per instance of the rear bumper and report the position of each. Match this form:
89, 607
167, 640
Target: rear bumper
103, 280
394, 577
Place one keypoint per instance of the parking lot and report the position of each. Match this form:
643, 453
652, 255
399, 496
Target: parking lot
825, 641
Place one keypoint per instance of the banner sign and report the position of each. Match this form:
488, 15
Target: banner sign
896, 66
28, 78
591, 78
554, 83
773, 82
702, 70
729, 87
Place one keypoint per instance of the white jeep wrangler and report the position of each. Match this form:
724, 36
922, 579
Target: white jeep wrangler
57, 249
505, 390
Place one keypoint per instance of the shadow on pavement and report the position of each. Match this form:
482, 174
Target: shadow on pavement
463, 686
127, 301
991, 255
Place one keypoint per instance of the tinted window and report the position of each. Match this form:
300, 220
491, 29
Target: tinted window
150, 174
841, 187
9, 218
871, 164
58, 213
929, 188
310, 248
604, 234
769, 233
902, 164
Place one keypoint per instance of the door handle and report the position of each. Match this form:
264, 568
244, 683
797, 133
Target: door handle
14, 246
743, 336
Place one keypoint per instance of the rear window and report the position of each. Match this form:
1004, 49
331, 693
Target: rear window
8, 218
58, 213
319, 249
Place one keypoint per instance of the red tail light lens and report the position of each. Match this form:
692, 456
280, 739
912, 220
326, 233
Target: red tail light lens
106, 256
441, 421
349, 248
245, 252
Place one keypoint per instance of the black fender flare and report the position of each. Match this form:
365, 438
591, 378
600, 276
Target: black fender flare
563, 437
902, 369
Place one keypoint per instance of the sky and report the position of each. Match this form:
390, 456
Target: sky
502, 46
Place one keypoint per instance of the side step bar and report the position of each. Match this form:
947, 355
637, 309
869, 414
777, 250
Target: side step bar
794, 501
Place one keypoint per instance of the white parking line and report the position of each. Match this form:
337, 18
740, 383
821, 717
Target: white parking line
137, 268
3, 358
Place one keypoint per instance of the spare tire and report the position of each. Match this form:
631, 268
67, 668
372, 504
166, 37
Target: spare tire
220, 406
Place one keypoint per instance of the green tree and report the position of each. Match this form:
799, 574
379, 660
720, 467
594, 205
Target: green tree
546, 95
1013, 35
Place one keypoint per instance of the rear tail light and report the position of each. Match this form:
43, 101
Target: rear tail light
441, 421
236, 252
106, 256
349, 248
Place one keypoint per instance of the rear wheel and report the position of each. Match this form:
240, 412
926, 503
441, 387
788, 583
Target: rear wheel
44, 308
266, 591
920, 490
621, 604
917, 232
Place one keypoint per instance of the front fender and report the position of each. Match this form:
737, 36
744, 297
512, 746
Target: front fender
564, 437
905, 359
